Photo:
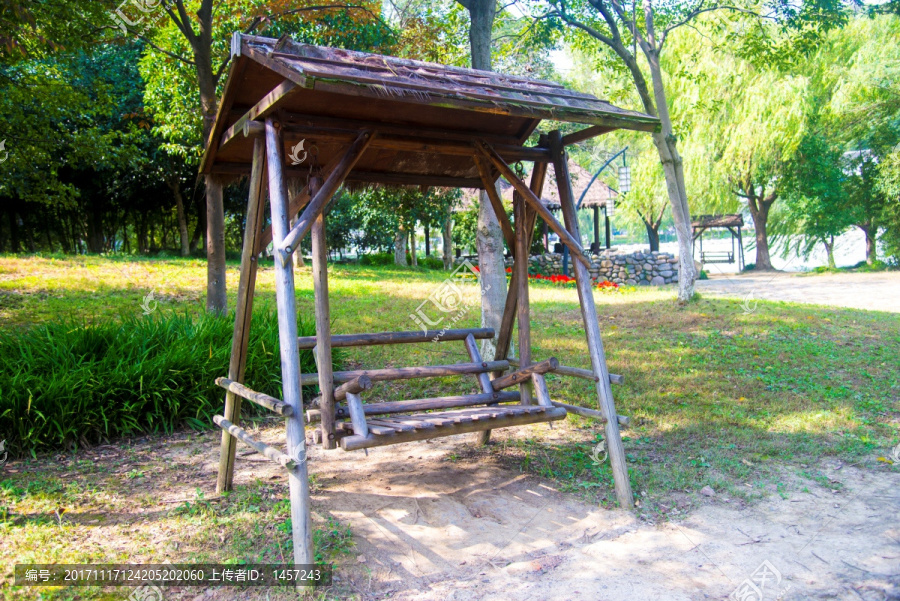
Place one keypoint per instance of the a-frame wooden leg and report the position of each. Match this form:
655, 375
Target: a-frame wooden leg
244, 309
510, 310
298, 478
323, 328
592, 329
523, 315
504, 336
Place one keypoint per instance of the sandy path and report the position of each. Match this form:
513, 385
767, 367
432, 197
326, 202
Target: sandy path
874, 291
428, 528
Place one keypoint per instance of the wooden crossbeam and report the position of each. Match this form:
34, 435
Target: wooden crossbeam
406, 337
524, 374
264, 449
430, 404
323, 195
263, 400
417, 140
411, 373
586, 134
623, 420
533, 201
247, 124
576, 372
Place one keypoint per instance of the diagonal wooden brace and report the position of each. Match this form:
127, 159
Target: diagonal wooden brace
533, 201
524, 374
324, 194
484, 171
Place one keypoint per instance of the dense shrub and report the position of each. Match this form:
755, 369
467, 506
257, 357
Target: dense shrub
383, 259
65, 384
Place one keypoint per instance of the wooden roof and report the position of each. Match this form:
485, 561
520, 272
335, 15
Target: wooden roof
427, 115
709, 221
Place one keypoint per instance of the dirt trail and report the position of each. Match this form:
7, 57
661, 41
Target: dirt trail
428, 528
874, 291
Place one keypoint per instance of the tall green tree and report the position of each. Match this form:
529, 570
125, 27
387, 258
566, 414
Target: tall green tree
196, 35
624, 30
816, 204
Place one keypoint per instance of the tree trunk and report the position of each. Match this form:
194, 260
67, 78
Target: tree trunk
400, 245
867, 229
673, 169
829, 249
414, 261
199, 229
201, 45
759, 211
447, 239
665, 142
216, 293
95, 231
427, 241
489, 237
13, 232
175, 186
653, 235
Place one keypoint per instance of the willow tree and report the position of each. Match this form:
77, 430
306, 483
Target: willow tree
636, 36
744, 123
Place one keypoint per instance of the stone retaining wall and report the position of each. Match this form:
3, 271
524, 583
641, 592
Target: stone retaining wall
635, 269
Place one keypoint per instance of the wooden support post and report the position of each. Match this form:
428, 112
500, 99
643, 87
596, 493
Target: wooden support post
592, 330
523, 314
243, 311
298, 478
504, 336
357, 415
483, 379
323, 326
540, 390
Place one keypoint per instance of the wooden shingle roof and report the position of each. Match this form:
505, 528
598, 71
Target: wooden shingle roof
325, 96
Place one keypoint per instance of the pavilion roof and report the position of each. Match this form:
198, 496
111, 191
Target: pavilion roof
427, 116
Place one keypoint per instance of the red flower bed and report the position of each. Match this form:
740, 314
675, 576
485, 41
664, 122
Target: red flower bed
607, 285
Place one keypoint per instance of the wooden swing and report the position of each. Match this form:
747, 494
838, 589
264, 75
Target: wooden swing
387, 121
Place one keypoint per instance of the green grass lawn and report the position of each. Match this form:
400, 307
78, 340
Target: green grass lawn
739, 401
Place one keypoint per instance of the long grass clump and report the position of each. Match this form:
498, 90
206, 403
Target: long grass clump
69, 384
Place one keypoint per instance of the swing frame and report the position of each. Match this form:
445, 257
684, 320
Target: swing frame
378, 120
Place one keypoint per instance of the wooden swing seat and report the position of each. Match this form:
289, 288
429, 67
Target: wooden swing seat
425, 426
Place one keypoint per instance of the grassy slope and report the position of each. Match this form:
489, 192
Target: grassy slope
718, 396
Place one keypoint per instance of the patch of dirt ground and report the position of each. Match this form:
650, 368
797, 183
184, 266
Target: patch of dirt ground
429, 525
877, 291
430, 529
